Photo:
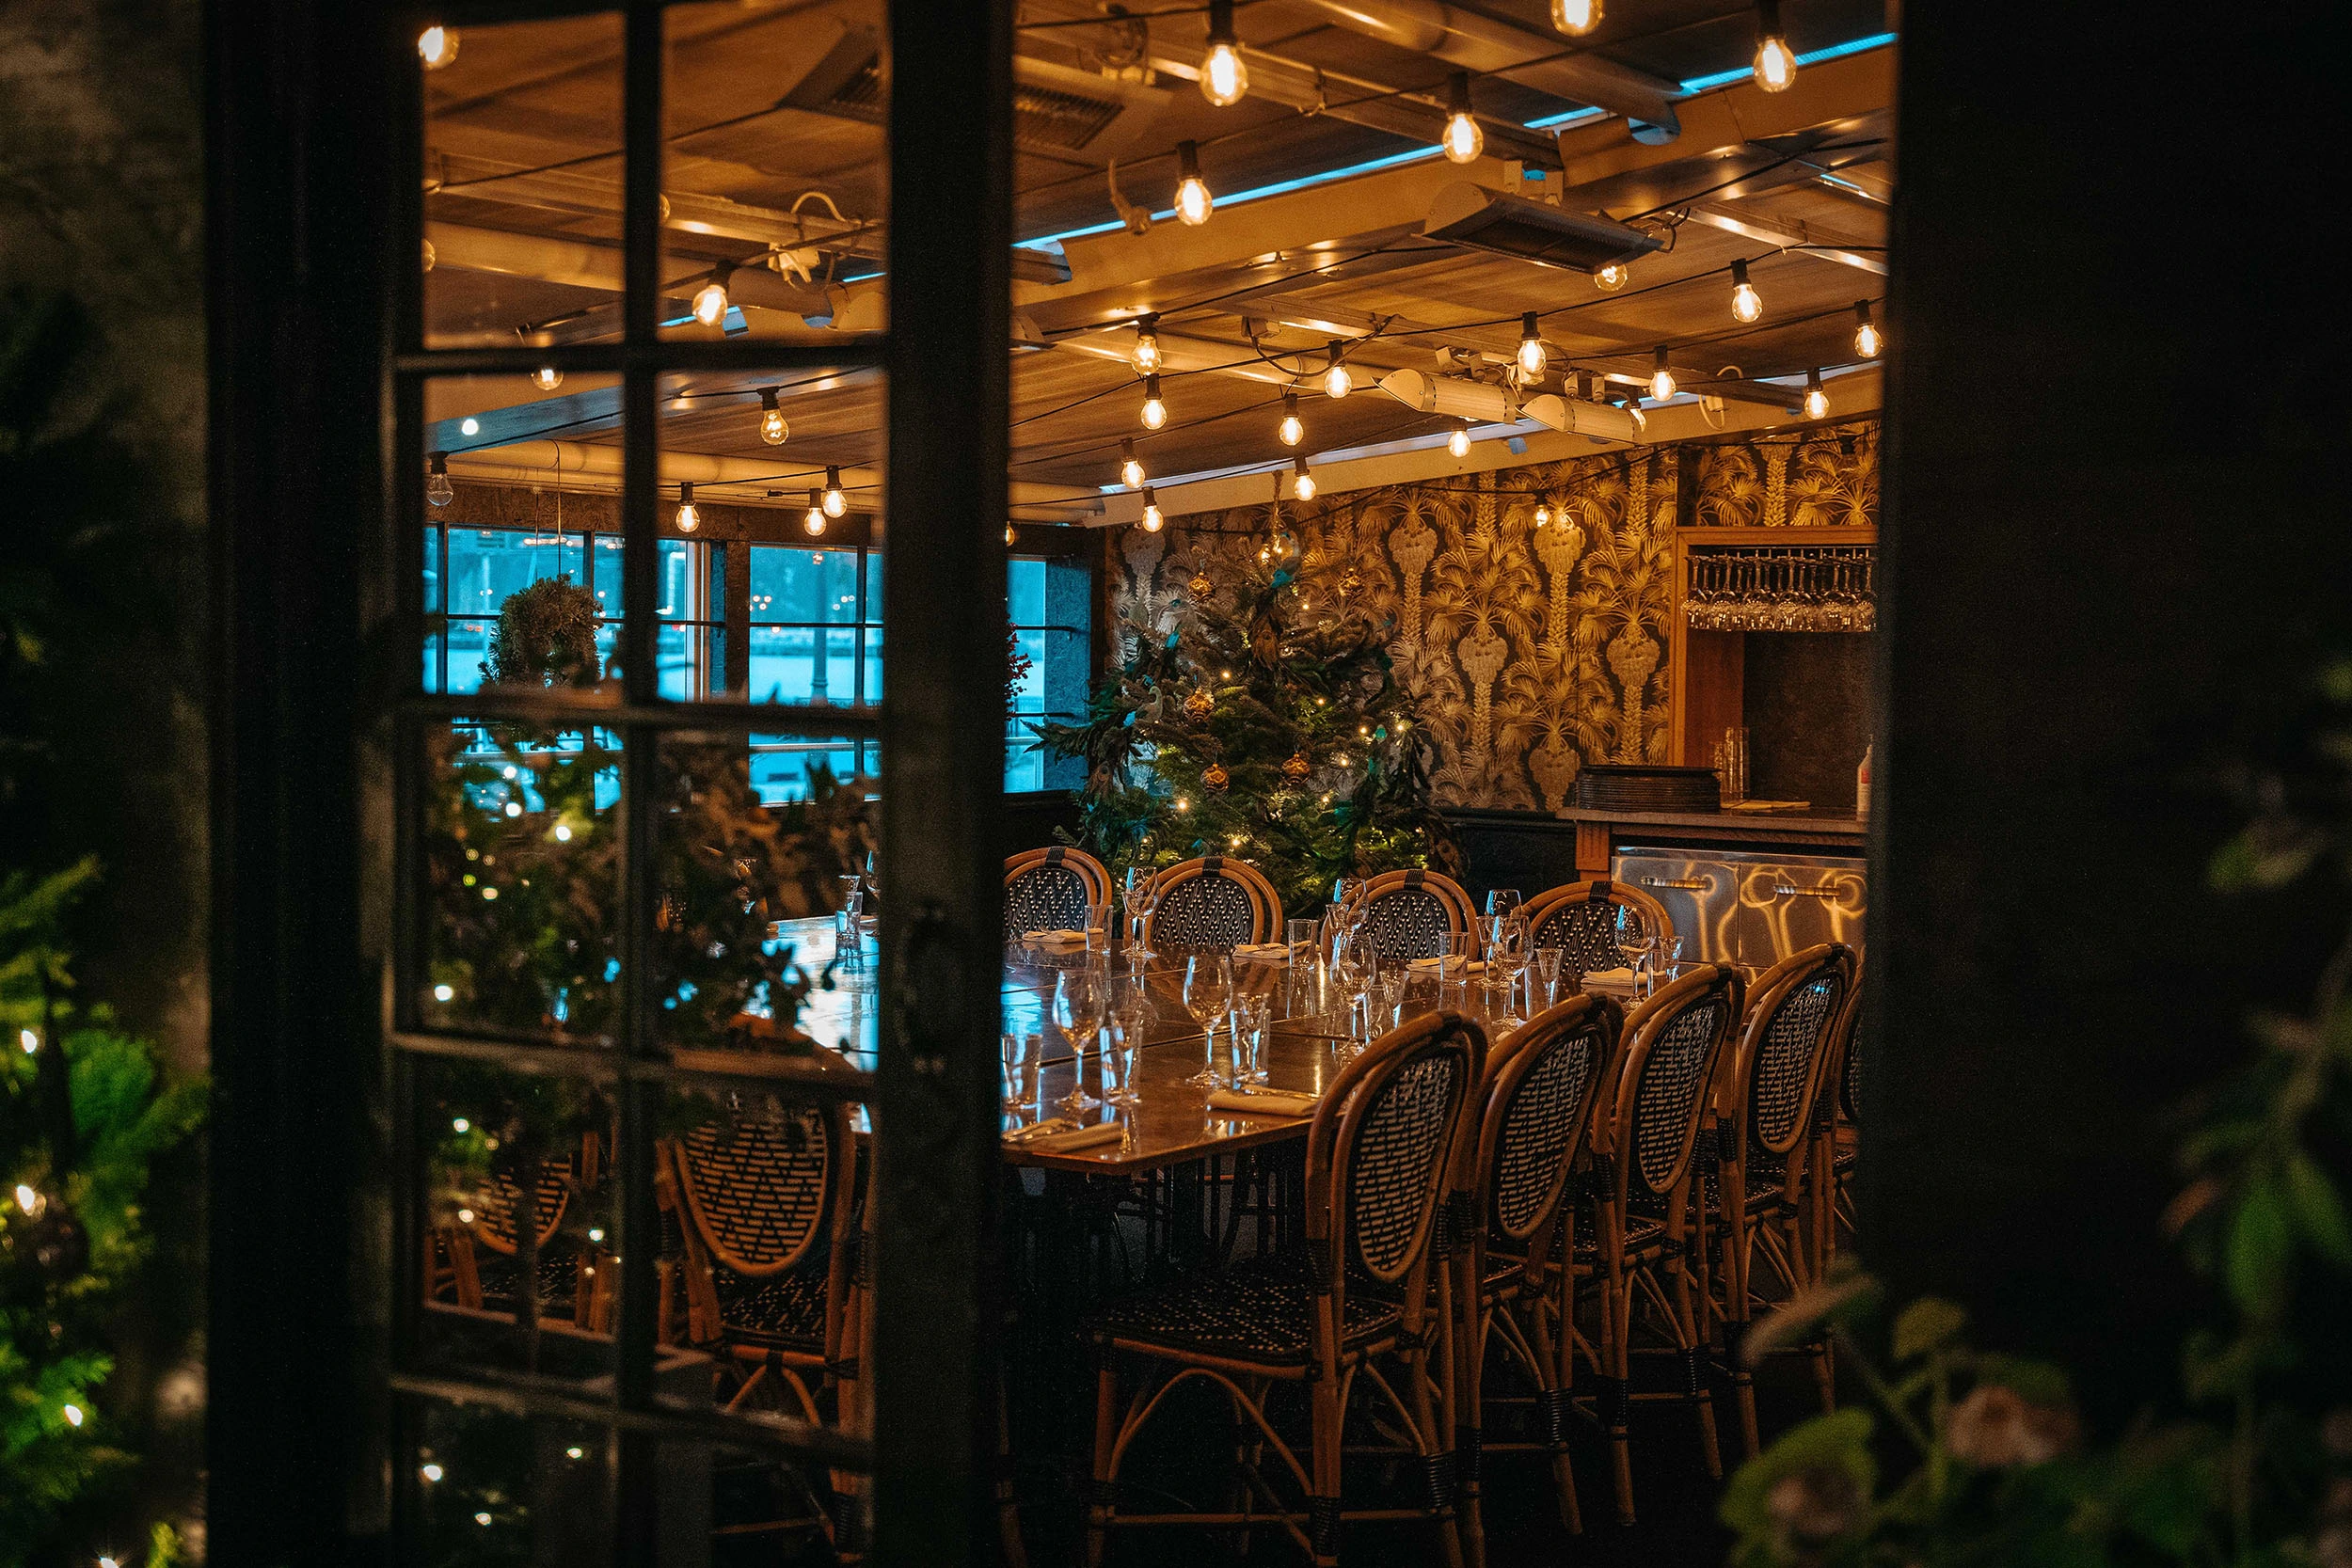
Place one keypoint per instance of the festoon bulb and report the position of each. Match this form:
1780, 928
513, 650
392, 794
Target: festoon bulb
1223, 77
835, 503
1130, 466
1145, 357
711, 300
1775, 62
1289, 430
1746, 305
1463, 140
1152, 518
1576, 18
1154, 411
773, 428
1337, 382
1608, 279
1816, 400
690, 517
1531, 347
813, 520
1662, 380
1193, 203
1867, 337
1302, 482
547, 378
436, 47
436, 486
1458, 439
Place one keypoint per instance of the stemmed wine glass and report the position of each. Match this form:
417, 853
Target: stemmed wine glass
1633, 942
1503, 901
1208, 997
1078, 1005
1136, 895
1131, 1015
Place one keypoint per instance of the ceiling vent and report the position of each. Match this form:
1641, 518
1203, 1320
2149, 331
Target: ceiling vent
1468, 214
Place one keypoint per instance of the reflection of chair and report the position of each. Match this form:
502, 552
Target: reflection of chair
476, 1262
1053, 889
1645, 1135
1407, 913
1383, 1146
1766, 1111
1511, 1286
1582, 918
1211, 902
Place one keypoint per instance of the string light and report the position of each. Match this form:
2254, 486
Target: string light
1223, 77
470, 426
1302, 483
436, 47
813, 522
437, 486
1131, 466
431, 1472
711, 300
1152, 518
28, 1202
1007, 534
547, 378
1457, 440
1543, 514
1337, 382
1746, 305
1608, 279
1531, 347
1146, 357
1576, 18
689, 516
73, 1414
1816, 400
773, 428
1154, 411
30, 1041
1462, 139
1291, 431
1193, 203
1775, 62
1867, 339
835, 503
1662, 380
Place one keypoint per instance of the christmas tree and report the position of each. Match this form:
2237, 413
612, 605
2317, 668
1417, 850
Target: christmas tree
1260, 719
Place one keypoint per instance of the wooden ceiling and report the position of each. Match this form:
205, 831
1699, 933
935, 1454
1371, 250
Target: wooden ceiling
775, 144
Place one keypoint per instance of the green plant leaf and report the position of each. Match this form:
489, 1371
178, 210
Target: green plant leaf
1838, 1441
2261, 1245
1926, 1325
2319, 1209
2035, 1381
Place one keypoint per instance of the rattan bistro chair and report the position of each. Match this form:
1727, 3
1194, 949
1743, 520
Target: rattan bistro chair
1646, 1132
1581, 919
1765, 1110
1211, 902
1408, 912
1384, 1146
1054, 890
1510, 1285
476, 1263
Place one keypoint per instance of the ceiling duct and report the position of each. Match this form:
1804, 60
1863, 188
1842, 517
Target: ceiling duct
1469, 214
1476, 400
1057, 111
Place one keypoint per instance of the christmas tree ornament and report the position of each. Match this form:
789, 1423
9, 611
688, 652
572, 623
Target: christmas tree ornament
1201, 587
1351, 584
1297, 766
1200, 704
1215, 777
1282, 550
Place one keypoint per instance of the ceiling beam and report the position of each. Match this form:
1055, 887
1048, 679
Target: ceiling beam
1795, 235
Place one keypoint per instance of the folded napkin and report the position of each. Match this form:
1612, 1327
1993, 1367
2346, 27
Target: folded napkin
1064, 938
1061, 1134
1620, 978
1263, 1102
1429, 966
1264, 952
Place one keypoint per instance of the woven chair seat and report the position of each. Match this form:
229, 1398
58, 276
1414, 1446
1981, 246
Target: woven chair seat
1259, 1311
559, 1279
785, 1311
1642, 1233
1506, 1270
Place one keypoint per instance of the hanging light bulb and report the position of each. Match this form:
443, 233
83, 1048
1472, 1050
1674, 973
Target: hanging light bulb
1576, 18
1337, 382
547, 378
436, 486
1746, 303
1458, 439
1291, 431
1867, 339
1152, 518
1146, 357
813, 520
1131, 466
1608, 279
1531, 348
1193, 203
1775, 62
1543, 514
711, 300
773, 428
1007, 534
1154, 411
690, 517
835, 502
436, 47
1463, 140
1662, 380
1816, 400
1223, 77
1302, 483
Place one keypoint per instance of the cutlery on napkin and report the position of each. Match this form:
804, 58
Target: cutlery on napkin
1064, 938
1061, 1134
1263, 1102
1429, 966
1264, 952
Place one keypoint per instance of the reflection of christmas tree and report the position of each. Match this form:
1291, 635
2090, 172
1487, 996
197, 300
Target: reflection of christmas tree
1260, 719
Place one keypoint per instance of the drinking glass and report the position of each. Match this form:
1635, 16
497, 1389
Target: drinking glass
1301, 934
1502, 900
1252, 1016
1393, 981
1666, 955
1632, 940
1544, 969
1208, 995
1137, 896
1130, 1021
1012, 1050
1078, 1005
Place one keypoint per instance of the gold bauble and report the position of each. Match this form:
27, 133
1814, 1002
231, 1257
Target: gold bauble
1351, 584
1297, 768
1215, 778
1201, 587
1200, 704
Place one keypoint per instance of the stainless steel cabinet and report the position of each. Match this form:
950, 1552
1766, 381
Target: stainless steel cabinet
1748, 907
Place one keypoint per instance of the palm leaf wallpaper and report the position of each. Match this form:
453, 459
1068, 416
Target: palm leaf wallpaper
1530, 651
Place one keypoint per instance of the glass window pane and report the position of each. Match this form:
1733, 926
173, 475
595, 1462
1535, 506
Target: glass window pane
1025, 591
495, 1489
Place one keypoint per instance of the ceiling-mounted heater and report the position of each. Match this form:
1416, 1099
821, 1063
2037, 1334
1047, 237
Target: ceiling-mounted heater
1469, 214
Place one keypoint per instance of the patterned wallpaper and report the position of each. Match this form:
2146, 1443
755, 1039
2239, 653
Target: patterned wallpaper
1532, 651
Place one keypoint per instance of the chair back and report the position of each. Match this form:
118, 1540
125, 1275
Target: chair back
498, 1199
1582, 918
1674, 1044
1406, 912
763, 1189
1536, 1111
1785, 1049
1211, 902
1850, 1060
1053, 889
1385, 1146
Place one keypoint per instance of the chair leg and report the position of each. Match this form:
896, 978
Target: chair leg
1696, 1387
1616, 1314
1013, 1554
1551, 1402
1323, 1505
1099, 1513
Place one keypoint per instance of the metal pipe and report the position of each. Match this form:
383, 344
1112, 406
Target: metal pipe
1478, 400
595, 462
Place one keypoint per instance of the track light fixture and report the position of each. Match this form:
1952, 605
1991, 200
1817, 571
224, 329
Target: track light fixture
773, 428
1145, 356
689, 516
1193, 203
1746, 305
1223, 77
1130, 466
1289, 430
1868, 341
1462, 139
1154, 411
1662, 380
1775, 62
1337, 382
835, 502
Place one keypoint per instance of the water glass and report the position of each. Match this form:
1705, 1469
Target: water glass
1543, 965
1303, 934
1119, 1062
1502, 900
1666, 955
1253, 1017
1012, 1052
1079, 1003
